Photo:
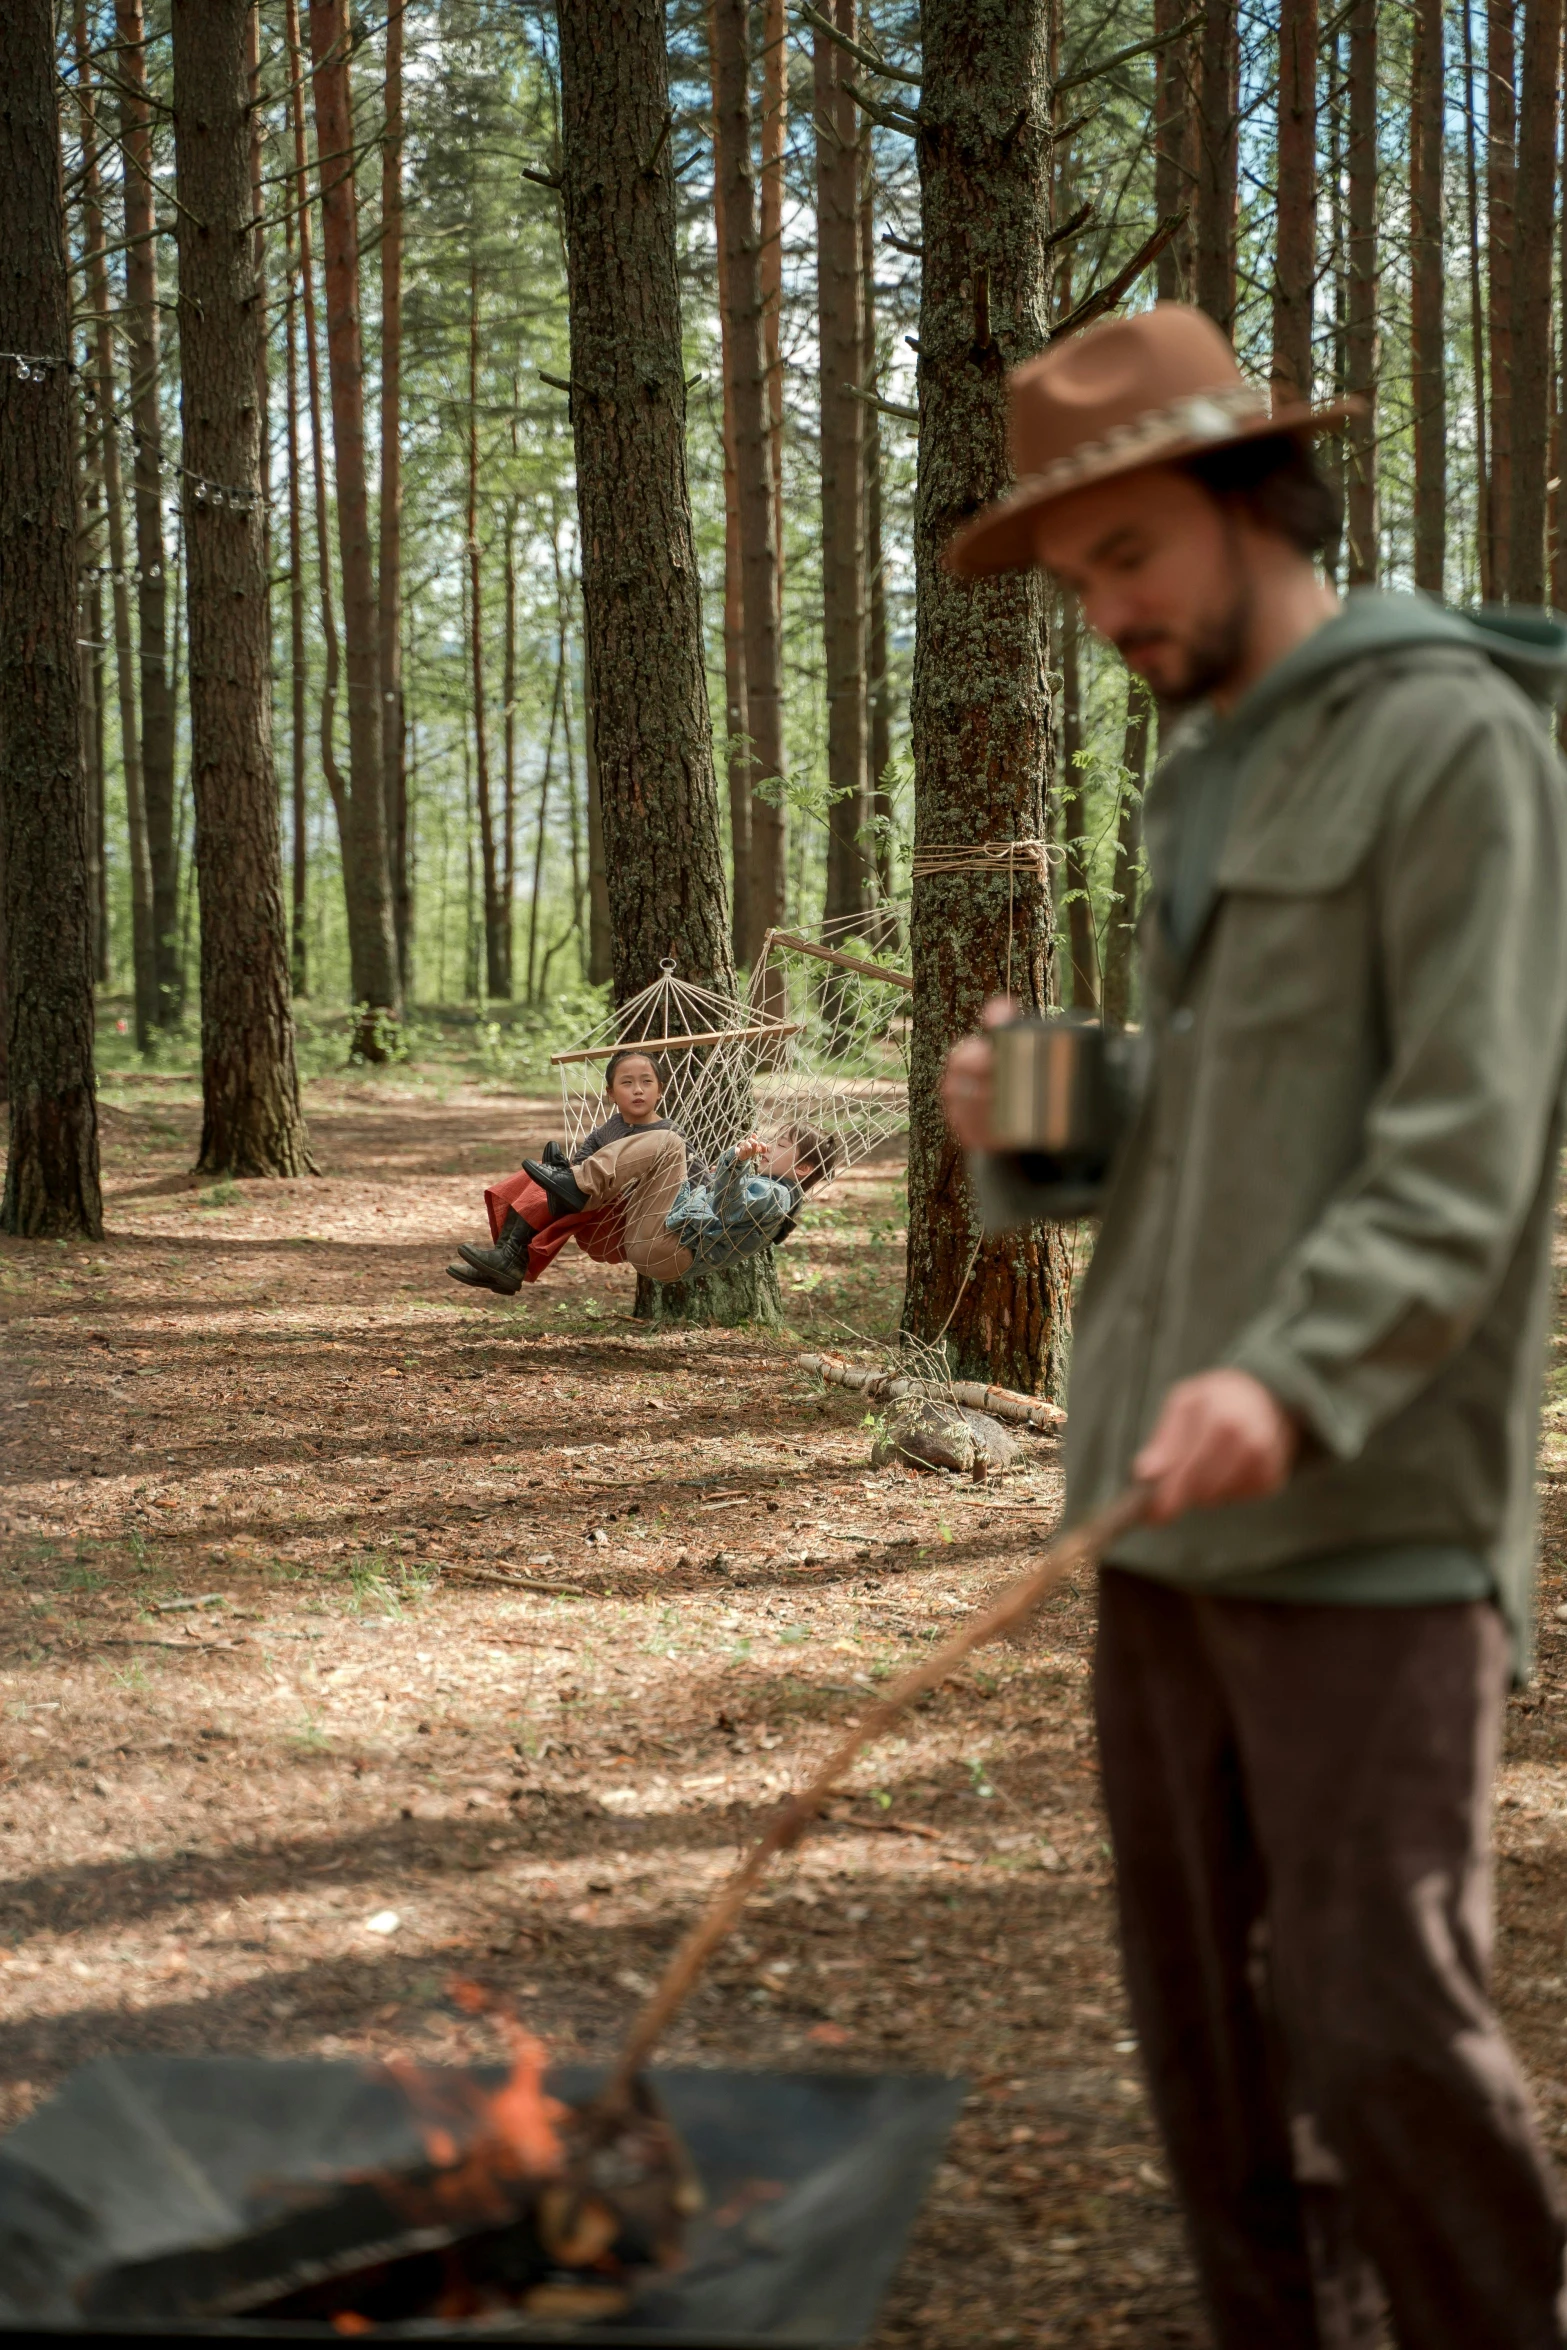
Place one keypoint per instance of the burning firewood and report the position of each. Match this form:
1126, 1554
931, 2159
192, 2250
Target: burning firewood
522, 2202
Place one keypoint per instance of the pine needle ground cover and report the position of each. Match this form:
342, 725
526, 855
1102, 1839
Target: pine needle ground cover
356, 1636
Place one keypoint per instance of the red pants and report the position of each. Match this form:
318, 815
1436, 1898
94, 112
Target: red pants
598, 1232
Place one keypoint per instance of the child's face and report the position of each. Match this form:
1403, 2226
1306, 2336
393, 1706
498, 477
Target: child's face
634, 1090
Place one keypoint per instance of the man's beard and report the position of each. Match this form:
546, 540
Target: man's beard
1212, 654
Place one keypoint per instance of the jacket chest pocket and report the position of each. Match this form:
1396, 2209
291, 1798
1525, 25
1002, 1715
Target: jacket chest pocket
1292, 971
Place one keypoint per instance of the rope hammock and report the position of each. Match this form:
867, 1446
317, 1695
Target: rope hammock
817, 1048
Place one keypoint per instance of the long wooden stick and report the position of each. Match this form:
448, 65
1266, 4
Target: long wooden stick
1080, 1546
859, 963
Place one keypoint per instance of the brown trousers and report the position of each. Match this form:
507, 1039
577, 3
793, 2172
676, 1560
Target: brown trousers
646, 1171
1299, 1798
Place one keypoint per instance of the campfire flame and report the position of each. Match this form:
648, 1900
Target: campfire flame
513, 2134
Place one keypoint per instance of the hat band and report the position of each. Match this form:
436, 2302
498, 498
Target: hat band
1201, 416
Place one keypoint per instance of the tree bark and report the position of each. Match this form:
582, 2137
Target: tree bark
299, 966
142, 341
389, 569
51, 1176
497, 916
1121, 923
1069, 794
1174, 166
90, 646
1501, 178
145, 983
1360, 339
1217, 157
1477, 325
336, 781
1295, 255
640, 584
774, 128
1532, 273
840, 344
1427, 305
508, 842
366, 874
740, 277
599, 971
251, 1120
737, 752
878, 690
980, 715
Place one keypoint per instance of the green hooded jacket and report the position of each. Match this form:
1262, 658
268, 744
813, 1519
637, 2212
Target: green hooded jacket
1340, 1172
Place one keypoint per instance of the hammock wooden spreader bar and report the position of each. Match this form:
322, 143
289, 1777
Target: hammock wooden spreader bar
857, 963
886, 1386
1077, 1548
677, 1044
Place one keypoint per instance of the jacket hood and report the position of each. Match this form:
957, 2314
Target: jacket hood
1529, 645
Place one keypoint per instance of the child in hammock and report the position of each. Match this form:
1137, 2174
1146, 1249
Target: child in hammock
674, 1216
677, 1218
524, 1206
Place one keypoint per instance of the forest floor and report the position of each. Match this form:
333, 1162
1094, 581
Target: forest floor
286, 1744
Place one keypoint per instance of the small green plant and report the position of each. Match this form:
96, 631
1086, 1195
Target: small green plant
979, 1777
135, 1543
221, 1195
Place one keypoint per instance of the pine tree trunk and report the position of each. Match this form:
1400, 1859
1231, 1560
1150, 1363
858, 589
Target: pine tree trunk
599, 971
1175, 177
1427, 305
508, 844
980, 716
1121, 925
740, 279
640, 584
1216, 160
840, 344
1360, 340
142, 340
774, 129
1501, 177
90, 610
878, 691
104, 402
389, 569
1074, 846
737, 755
251, 1120
299, 966
534, 984
46, 916
366, 874
1477, 325
497, 918
1532, 273
331, 674
1295, 256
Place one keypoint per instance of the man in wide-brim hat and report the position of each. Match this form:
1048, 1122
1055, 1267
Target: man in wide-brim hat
1313, 1328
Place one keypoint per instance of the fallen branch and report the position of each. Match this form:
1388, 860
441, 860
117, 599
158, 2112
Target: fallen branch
512, 1582
886, 1386
1082, 1547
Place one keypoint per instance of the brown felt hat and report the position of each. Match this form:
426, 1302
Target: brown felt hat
1126, 393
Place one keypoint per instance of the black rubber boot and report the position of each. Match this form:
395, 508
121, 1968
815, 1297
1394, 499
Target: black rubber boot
499, 1268
562, 1186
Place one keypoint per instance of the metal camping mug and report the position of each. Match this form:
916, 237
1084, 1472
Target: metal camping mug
1053, 1089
